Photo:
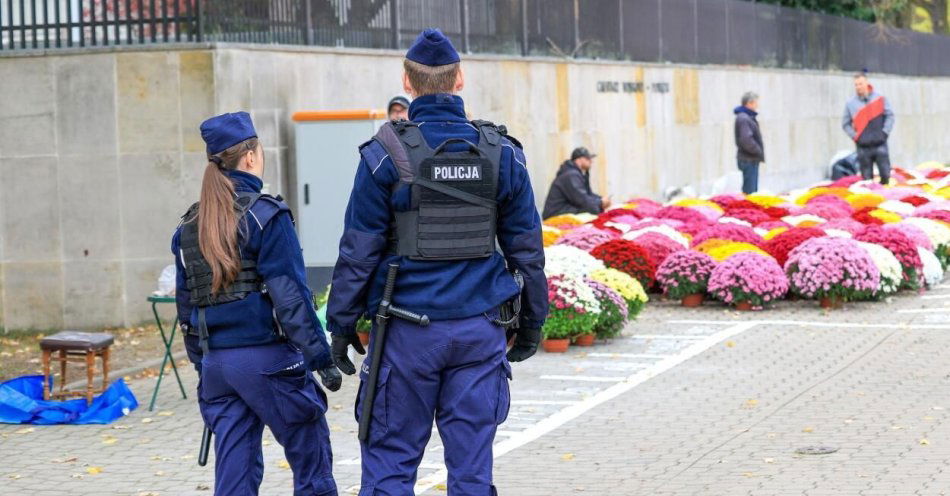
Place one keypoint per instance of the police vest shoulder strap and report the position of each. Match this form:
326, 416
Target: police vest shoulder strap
190, 214
454, 193
406, 146
489, 143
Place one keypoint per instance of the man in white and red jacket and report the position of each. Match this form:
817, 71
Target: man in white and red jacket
868, 120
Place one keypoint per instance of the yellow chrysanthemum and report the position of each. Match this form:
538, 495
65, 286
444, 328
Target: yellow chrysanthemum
550, 234
563, 221
774, 232
885, 215
864, 200
628, 287
696, 202
930, 165
722, 251
809, 223
765, 200
630, 205
944, 192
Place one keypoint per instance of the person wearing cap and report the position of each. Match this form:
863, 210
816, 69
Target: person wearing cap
398, 108
248, 320
570, 191
435, 194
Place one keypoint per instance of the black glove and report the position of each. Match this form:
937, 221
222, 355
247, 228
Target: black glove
526, 344
331, 378
339, 346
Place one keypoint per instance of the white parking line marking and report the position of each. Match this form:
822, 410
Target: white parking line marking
627, 355
572, 412
667, 336
925, 310
935, 297
849, 325
583, 378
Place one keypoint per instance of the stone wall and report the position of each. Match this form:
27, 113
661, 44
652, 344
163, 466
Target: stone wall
100, 153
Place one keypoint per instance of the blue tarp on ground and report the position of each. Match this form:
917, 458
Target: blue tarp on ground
21, 402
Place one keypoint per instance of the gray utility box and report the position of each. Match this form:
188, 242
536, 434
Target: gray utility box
327, 157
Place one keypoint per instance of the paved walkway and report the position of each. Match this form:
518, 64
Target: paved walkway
705, 402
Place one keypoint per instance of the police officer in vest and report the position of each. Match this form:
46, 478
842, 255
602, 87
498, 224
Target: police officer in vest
249, 322
435, 194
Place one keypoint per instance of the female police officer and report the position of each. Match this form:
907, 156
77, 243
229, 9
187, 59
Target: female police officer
250, 326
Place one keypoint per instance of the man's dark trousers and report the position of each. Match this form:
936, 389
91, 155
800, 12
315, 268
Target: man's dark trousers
750, 176
868, 156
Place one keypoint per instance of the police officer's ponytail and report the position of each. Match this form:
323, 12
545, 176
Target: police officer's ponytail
217, 218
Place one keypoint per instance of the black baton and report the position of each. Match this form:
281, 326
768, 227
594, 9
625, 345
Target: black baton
378, 341
205, 447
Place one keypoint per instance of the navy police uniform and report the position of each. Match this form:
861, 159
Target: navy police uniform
450, 201
255, 342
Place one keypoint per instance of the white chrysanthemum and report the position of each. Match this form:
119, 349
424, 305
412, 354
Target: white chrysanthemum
933, 271
887, 264
569, 261
837, 233
576, 291
798, 219
620, 226
860, 188
733, 220
585, 217
898, 207
938, 232
667, 231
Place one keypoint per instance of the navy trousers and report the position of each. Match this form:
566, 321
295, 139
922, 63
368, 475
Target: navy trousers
242, 390
453, 371
868, 156
750, 176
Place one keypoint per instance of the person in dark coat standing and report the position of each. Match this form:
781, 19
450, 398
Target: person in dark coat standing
570, 191
750, 150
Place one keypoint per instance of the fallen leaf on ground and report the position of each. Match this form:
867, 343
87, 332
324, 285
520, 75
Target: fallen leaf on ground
335, 428
769, 460
203, 487
25, 430
109, 440
567, 457
751, 403
730, 344
121, 427
748, 474
147, 420
808, 429
337, 407
167, 413
14, 476
924, 442
186, 457
160, 473
265, 443
93, 470
77, 476
441, 487
283, 464
896, 427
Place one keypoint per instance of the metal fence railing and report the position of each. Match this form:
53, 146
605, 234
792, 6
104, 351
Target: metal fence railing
683, 31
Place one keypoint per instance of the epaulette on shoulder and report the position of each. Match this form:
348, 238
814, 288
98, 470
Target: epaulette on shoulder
267, 207
373, 152
190, 213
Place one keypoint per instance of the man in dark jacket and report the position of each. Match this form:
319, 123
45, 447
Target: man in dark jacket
570, 192
750, 151
868, 120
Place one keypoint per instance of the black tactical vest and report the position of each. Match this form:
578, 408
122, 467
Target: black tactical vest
198, 271
453, 212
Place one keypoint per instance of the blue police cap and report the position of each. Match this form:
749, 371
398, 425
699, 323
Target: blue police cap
226, 130
432, 48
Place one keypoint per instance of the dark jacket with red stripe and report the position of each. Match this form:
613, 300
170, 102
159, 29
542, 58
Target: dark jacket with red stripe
869, 120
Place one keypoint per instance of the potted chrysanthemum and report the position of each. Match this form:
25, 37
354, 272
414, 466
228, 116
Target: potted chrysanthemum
684, 276
627, 287
748, 280
889, 268
574, 310
612, 317
832, 270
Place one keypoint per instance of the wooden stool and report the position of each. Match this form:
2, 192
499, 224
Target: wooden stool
77, 347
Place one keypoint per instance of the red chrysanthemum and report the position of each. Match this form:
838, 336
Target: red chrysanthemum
780, 246
915, 200
628, 257
751, 215
776, 212
938, 173
864, 216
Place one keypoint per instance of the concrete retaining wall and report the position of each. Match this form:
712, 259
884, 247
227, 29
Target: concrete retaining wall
100, 154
